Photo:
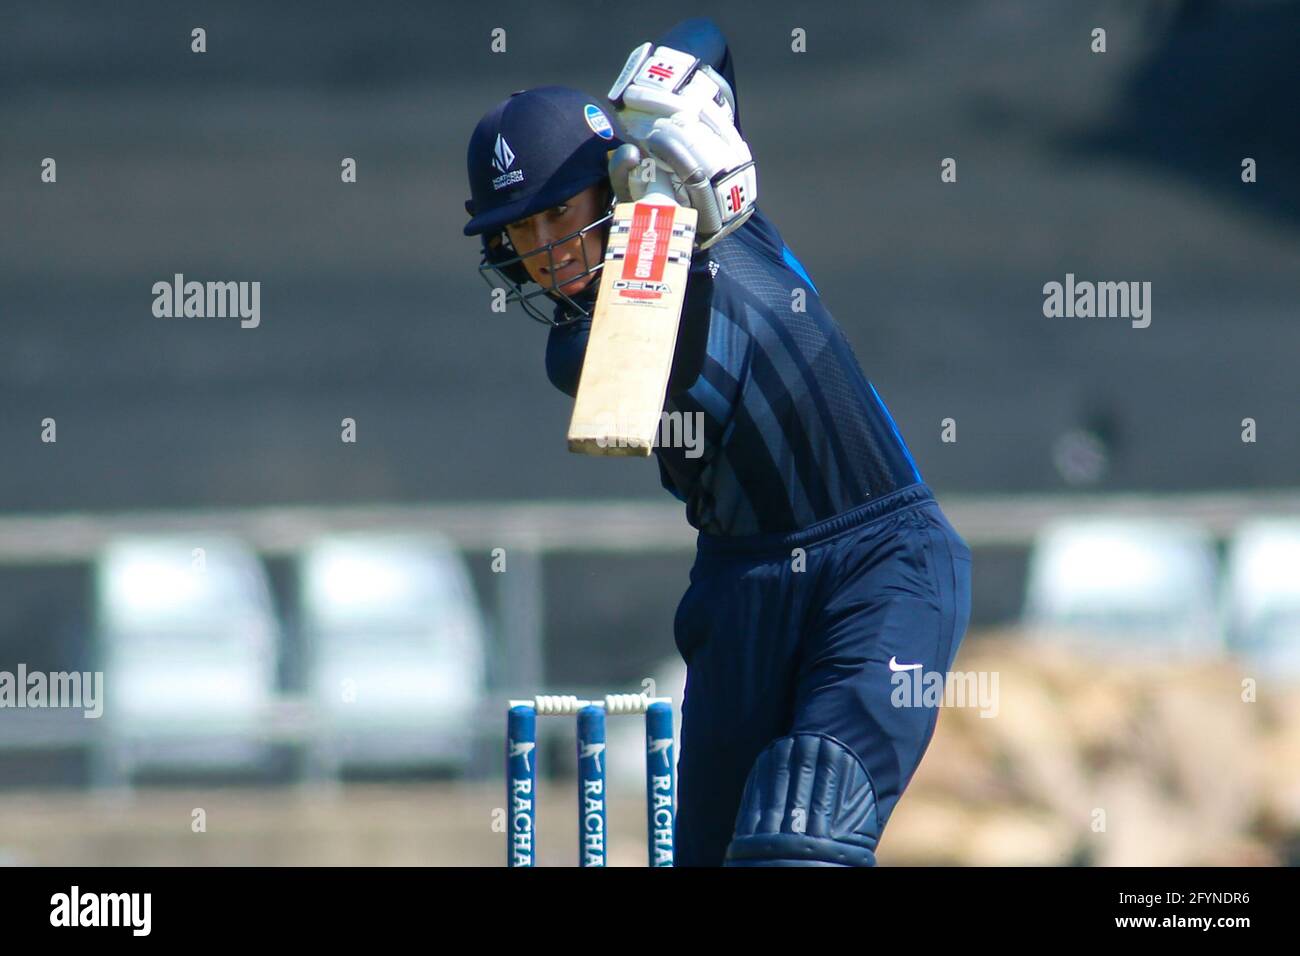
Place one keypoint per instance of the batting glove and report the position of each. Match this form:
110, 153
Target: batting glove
680, 115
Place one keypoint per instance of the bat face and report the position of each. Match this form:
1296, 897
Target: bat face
634, 329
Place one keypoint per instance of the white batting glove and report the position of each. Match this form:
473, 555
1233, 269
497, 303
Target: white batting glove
681, 114
630, 173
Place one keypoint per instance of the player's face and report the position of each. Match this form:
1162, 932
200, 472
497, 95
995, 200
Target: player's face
563, 268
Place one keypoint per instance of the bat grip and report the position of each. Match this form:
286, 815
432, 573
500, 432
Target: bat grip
660, 189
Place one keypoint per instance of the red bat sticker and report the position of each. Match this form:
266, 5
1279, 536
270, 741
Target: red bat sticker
647, 251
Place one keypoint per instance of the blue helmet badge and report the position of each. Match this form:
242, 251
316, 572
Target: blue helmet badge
598, 122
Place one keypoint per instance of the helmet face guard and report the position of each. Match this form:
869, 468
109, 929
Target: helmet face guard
502, 267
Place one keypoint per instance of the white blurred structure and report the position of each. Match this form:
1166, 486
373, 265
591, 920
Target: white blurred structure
1130, 586
188, 641
1262, 596
395, 651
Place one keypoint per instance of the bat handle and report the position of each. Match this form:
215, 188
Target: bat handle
660, 189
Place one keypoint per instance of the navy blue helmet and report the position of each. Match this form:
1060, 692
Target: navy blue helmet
534, 150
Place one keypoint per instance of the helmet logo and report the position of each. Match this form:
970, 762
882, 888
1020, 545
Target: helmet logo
503, 156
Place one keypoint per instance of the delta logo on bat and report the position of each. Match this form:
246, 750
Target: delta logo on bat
646, 254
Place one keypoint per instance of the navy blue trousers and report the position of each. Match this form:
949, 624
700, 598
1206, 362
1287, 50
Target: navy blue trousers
803, 632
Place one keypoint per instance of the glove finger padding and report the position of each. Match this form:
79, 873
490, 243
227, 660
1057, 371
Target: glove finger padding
624, 173
718, 178
667, 145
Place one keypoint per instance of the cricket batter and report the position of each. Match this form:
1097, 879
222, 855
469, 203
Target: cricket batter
825, 571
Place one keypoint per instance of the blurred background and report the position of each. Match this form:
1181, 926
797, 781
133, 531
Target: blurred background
312, 641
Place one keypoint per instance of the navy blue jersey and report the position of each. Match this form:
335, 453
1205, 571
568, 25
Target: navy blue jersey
793, 431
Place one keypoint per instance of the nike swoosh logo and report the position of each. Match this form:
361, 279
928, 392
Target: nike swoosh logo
895, 666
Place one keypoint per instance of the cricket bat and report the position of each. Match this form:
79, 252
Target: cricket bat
633, 333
